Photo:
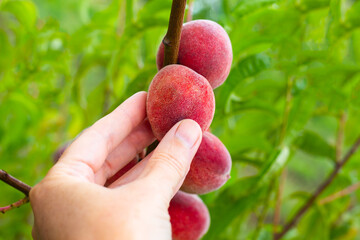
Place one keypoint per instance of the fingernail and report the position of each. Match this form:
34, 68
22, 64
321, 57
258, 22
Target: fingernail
188, 132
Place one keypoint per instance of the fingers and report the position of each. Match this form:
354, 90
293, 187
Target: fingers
86, 155
170, 162
134, 143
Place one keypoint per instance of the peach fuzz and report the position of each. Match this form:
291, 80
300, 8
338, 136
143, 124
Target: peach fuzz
189, 217
176, 93
205, 47
210, 168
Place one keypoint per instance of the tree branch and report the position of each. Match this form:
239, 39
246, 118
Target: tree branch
190, 10
340, 194
278, 201
171, 40
17, 184
265, 209
14, 182
14, 205
340, 136
287, 109
320, 189
279, 192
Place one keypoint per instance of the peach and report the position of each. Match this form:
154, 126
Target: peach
210, 168
176, 93
121, 172
189, 217
205, 47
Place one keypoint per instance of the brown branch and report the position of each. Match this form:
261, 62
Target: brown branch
17, 184
107, 95
262, 216
14, 205
277, 213
279, 192
340, 136
287, 109
152, 147
320, 189
340, 194
171, 40
121, 19
14, 182
190, 10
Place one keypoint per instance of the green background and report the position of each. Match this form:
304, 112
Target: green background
295, 80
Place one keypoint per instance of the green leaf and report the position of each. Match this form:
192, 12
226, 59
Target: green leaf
243, 195
248, 6
248, 67
255, 104
352, 16
318, 219
301, 112
25, 11
274, 165
154, 9
247, 160
312, 143
261, 27
228, 207
6, 50
308, 5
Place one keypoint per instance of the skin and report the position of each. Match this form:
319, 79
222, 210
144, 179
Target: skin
71, 202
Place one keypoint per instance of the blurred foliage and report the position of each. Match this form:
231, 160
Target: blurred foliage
296, 72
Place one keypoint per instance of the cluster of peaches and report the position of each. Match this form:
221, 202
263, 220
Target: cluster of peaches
185, 91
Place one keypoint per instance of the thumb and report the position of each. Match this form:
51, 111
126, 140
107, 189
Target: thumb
170, 162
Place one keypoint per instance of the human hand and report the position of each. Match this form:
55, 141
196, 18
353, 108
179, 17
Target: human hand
71, 202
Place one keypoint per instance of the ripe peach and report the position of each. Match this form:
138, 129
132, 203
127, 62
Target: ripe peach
210, 167
176, 93
189, 217
205, 47
121, 172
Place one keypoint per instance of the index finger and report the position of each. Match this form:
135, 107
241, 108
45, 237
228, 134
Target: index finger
88, 152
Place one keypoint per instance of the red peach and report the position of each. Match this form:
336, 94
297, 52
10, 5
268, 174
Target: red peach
205, 47
189, 217
176, 93
210, 167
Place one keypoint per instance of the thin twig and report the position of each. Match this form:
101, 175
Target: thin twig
320, 189
171, 40
14, 205
14, 182
121, 19
278, 202
340, 194
265, 209
190, 11
279, 192
287, 109
340, 136
107, 95
152, 147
